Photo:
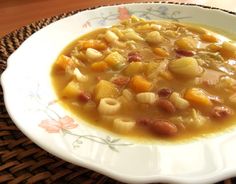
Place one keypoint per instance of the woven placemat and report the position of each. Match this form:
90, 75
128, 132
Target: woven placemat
22, 161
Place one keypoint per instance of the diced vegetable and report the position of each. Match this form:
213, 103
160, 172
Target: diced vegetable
140, 84
115, 60
99, 66
208, 38
93, 54
72, 89
185, 66
213, 47
186, 43
64, 61
105, 89
197, 96
167, 75
154, 37
228, 50
95, 44
161, 52
134, 68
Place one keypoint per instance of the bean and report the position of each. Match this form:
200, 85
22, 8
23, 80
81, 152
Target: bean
164, 92
164, 127
166, 105
84, 97
134, 56
144, 121
221, 112
185, 52
121, 80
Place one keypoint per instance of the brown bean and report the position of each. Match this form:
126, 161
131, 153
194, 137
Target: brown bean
166, 105
164, 92
185, 52
164, 127
84, 96
144, 121
221, 112
121, 80
134, 56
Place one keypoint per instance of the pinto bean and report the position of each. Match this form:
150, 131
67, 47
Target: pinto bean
164, 92
121, 80
84, 96
134, 56
166, 105
164, 127
185, 52
144, 121
221, 112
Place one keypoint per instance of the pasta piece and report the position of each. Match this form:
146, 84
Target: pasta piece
154, 37
130, 34
178, 101
93, 54
109, 106
127, 94
146, 97
111, 36
79, 76
123, 124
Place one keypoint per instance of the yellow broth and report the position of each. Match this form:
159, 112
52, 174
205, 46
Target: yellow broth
193, 62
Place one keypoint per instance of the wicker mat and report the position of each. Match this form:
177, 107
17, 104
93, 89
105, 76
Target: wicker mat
21, 161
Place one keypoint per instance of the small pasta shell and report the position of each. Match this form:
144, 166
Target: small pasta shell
154, 37
79, 76
146, 97
93, 53
109, 106
123, 124
111, 36
178, 101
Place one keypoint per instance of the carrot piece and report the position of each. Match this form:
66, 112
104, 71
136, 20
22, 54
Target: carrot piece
208, 38
213, 47
64, 61
161, 52
99, 66
139, 84
198, 97
95, 44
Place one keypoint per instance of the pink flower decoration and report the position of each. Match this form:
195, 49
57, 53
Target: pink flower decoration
123, 13
50, 126
68, 123
53, 126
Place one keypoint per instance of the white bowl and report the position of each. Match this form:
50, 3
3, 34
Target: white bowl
31, 103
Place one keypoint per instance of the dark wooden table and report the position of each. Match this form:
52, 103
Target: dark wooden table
17, 13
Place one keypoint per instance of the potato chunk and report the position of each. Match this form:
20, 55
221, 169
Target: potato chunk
105, 89
115, 60
134, 68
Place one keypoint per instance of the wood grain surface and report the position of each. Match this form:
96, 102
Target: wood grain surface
17, 13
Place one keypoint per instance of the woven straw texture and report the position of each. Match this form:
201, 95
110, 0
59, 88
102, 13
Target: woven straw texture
21, 161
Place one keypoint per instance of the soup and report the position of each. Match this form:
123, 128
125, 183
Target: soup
150, 79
